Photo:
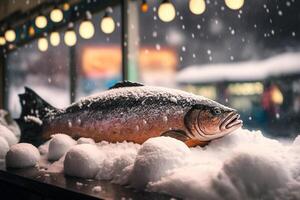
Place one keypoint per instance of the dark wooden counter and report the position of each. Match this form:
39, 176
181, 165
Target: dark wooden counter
30, 183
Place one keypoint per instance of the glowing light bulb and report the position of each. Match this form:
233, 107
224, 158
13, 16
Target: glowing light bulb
56, 15
66, 6
10, 35
144, 6
107, 24
43, 44
2, 41
54, 39
86, 29
166, 11
276, 95
31, 31
41, 21
197, 6
234, 4
70, 37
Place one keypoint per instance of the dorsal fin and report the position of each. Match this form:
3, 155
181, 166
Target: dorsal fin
125, 84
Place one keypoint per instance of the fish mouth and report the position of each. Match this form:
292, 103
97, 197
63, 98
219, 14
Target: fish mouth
232, 121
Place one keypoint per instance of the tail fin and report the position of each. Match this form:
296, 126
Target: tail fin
34, 109
33, 105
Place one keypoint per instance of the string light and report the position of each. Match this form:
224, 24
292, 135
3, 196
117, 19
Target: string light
56, 15
86, 28
43, 44
54, 39
2, 41
107, 24
41, 21
197, 6
234, 4
10, 35
31, 31
70, 37
144, 6
66, 6
166, 11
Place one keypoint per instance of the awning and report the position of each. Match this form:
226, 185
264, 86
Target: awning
283, 64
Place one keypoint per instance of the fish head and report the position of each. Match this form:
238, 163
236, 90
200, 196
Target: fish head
210, 121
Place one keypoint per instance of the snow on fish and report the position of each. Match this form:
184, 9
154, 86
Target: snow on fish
115, 114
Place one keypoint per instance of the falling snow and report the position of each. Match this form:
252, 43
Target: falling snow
183, 48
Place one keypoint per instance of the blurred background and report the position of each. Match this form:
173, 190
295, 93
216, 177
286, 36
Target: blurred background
242, 53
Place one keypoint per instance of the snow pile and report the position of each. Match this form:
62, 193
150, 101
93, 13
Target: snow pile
7, 121
59, 145
83, 161
117, 162
44, 148
7, 139
245, 164
8, 135
4, 148
155, 158
22, 155
242, 165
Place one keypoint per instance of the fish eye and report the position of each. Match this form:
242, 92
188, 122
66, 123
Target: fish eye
217, 111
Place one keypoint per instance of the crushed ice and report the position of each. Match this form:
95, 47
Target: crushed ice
242, 165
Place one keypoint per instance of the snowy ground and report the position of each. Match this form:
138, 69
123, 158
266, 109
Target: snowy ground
242, 165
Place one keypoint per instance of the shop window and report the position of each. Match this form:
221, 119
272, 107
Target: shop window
47, 73
99, 59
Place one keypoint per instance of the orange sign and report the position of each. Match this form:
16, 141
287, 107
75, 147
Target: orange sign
151, 59
106, 61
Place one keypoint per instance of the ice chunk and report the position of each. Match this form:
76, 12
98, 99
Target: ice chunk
57, 166
155, 158
7, 121
83, 140
79, 184
3, 147
59, 145
118, 157
22, 155
44, 148
83, 161
97, 189
8, 135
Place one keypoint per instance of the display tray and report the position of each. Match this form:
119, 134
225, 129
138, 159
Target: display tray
30, 183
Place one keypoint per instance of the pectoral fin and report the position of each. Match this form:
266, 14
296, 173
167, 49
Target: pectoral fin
177, 134
182, 136
195, 142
